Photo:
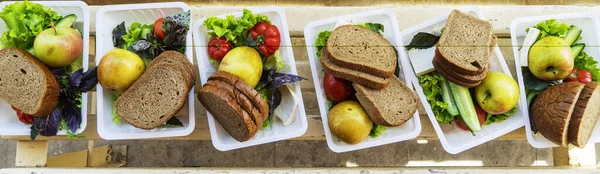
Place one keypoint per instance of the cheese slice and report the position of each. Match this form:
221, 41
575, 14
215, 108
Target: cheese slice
287, 110
530, 39
421, 60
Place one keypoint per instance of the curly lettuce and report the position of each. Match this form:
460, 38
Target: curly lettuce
321, 41
551, 27
491, 118
136, 31
586, 62
377, 130
25, 20
433, 92
232, 28
275, 61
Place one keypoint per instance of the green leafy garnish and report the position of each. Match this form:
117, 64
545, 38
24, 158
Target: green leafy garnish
232, 28
136, 31
24, 21
377, 130
274, 61
63, 125
321, 41
376, 27
551, 27
586, 62
214, 63
433, 92
490, 118
73, 135
115, 118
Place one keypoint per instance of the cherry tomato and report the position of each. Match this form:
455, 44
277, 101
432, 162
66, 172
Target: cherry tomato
272, 37
337, 89
23, 117
581, 76
480, 115
158, 28
218, 48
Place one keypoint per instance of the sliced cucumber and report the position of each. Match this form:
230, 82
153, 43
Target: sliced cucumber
577, 48
465, 106
448, 99
144, 33
66, 21
572, 35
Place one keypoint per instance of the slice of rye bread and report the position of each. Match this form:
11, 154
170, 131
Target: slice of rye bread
184, 59
355, 76
462, 77
241, 99
244, 88
189, 74
227, 112
453, 80
465, 43
552, 110
361, 49
26, 83
457, 70
585, 115
390, 106
154, 98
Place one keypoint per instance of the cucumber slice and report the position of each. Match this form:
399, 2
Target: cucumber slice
66, 21
144, 33
448, 99
577, 48
465, 106
572, 35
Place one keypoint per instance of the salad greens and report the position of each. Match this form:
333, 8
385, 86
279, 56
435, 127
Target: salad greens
377, 130
321, 41
586, 62
25, 20
491, 118
551, 27
115, 117
433, 92
232, 28
275, 61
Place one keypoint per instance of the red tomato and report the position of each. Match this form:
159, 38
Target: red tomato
23, 117
158, 28
337, 89
218, 48
272, 38
581, 76
480, 114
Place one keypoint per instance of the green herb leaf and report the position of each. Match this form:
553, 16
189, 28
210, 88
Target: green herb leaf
377, 130
32, 133
433, 92
423, 41
72, 135
533, 83
586, 62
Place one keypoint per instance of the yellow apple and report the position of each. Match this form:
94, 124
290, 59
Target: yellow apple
245, 63
119, 69
550, 59
58, 46
497, 93
349, 122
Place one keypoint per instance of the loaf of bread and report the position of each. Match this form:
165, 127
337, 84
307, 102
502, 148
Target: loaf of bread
585, 115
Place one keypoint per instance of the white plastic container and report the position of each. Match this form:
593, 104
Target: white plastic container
453, 139
221, 139
406, 131
9, 123
589, 25
107, 18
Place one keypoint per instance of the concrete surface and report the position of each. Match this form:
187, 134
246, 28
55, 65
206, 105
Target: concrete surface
303, 154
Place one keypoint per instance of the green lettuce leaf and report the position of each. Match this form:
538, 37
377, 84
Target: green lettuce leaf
377, 130
232, 28
321, 41
586, 62
433, 92
551, 27
490, 118
275, 61
135, 32
24, 21
115, 118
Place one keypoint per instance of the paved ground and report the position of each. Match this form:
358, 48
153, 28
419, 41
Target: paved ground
303, 154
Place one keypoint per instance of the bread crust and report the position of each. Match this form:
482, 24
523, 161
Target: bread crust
189, 76
375, 111
453, 80
350, 77
241, 99
575, 125
186, 62
253, 95
461, 77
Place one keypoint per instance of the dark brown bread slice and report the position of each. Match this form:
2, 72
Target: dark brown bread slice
26, 83
241, 99
154, 98
189, 78
186, 62
585, 115
462, 77
227, 112
363, 50
450, 66
244, 88
465, 43
453, 80
552, 110
355, 76
390, 106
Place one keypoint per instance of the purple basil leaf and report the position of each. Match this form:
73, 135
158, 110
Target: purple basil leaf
117, 34
72, 115
179, 20
140, 45
176, 38
89, 79
48, 126
274, 101
279, 79
59, 72
75, 78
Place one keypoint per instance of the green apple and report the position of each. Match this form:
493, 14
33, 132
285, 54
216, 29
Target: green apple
245, 63
349, 122
497, 93
550, 59
119, 69
58, 46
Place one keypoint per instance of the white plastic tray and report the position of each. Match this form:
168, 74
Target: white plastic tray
107, 18
589, 25
408, 130
9, 123
221, 139
453, 139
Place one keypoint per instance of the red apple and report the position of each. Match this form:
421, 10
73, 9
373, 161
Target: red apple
58, 46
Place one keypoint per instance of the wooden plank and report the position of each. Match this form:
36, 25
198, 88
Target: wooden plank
31, 153
103, 156
70, 160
